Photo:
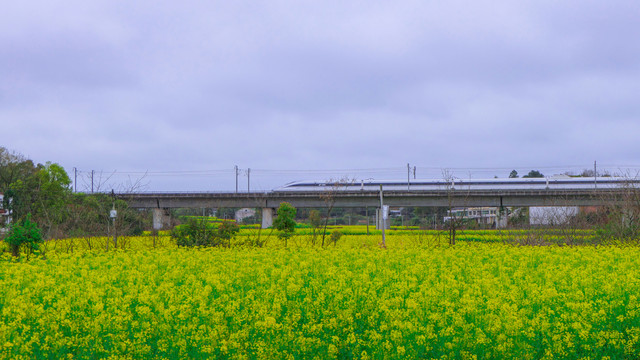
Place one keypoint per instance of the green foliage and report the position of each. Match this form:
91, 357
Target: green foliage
54, 192
195, 233
315, 220
335, 236
24, 234
513, 174
199, 232
534, 174
228, 229
43, 191
285, 222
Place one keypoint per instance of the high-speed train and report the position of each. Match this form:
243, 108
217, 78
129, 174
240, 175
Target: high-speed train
552, 182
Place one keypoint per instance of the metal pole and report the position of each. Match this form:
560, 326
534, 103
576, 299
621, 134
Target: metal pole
595, 175
236, 170
115, 233
75, 179
249, 180
92, 181
115, 237
384, 225
366, 211
408, 176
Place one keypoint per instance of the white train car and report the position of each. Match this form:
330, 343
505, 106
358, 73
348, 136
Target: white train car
553, 182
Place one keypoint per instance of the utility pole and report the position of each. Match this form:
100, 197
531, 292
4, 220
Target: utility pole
113, 214
414, 172
384, 219
236, 170
366, 211
75, 179
595, 175
248, 180
92, 181
408, 176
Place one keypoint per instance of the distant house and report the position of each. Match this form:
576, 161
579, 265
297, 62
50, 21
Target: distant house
395, 212
244, 213
551, 215
481, 215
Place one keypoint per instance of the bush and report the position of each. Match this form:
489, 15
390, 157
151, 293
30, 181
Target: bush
335, 236
199, 232
24, 233
227, 230
195, 233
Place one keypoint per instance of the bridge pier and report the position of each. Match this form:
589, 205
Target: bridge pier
502, 218
267, 217
501, 221
160, 218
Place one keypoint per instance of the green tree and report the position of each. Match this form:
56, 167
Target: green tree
18, 182
534, 174
513, 174
24, 234
227, 230
285, 221
53, 195
13, 167
43, 191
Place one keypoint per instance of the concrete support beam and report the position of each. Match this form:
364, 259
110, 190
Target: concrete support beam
267, 217
160, 218
501, 221
379, 221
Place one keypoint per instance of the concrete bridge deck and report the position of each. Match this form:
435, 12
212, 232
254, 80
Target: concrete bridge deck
454, 198
269, 201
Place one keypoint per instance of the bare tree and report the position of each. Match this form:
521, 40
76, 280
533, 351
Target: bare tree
622, 215
329, 198
453, 221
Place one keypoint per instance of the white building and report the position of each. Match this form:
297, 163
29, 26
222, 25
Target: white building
244, 213
551, 215
481, 215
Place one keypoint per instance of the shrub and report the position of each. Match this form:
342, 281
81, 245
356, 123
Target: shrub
24, 233
227, 230
199, 232
335, 236
195, 232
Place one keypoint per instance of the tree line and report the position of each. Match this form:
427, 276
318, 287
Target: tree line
41, 194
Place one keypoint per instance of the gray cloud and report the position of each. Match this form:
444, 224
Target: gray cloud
291, 85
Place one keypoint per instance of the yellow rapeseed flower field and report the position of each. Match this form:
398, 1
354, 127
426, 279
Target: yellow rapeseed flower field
351, 301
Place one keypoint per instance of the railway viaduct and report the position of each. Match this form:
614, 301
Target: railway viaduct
269, 201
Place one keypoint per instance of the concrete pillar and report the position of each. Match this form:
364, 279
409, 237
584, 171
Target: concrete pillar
160, 218
502, 218
501, 222
379, 220
267, 217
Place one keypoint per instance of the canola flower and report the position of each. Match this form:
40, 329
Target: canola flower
471, 301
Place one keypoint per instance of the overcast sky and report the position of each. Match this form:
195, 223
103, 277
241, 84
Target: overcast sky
166, 87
